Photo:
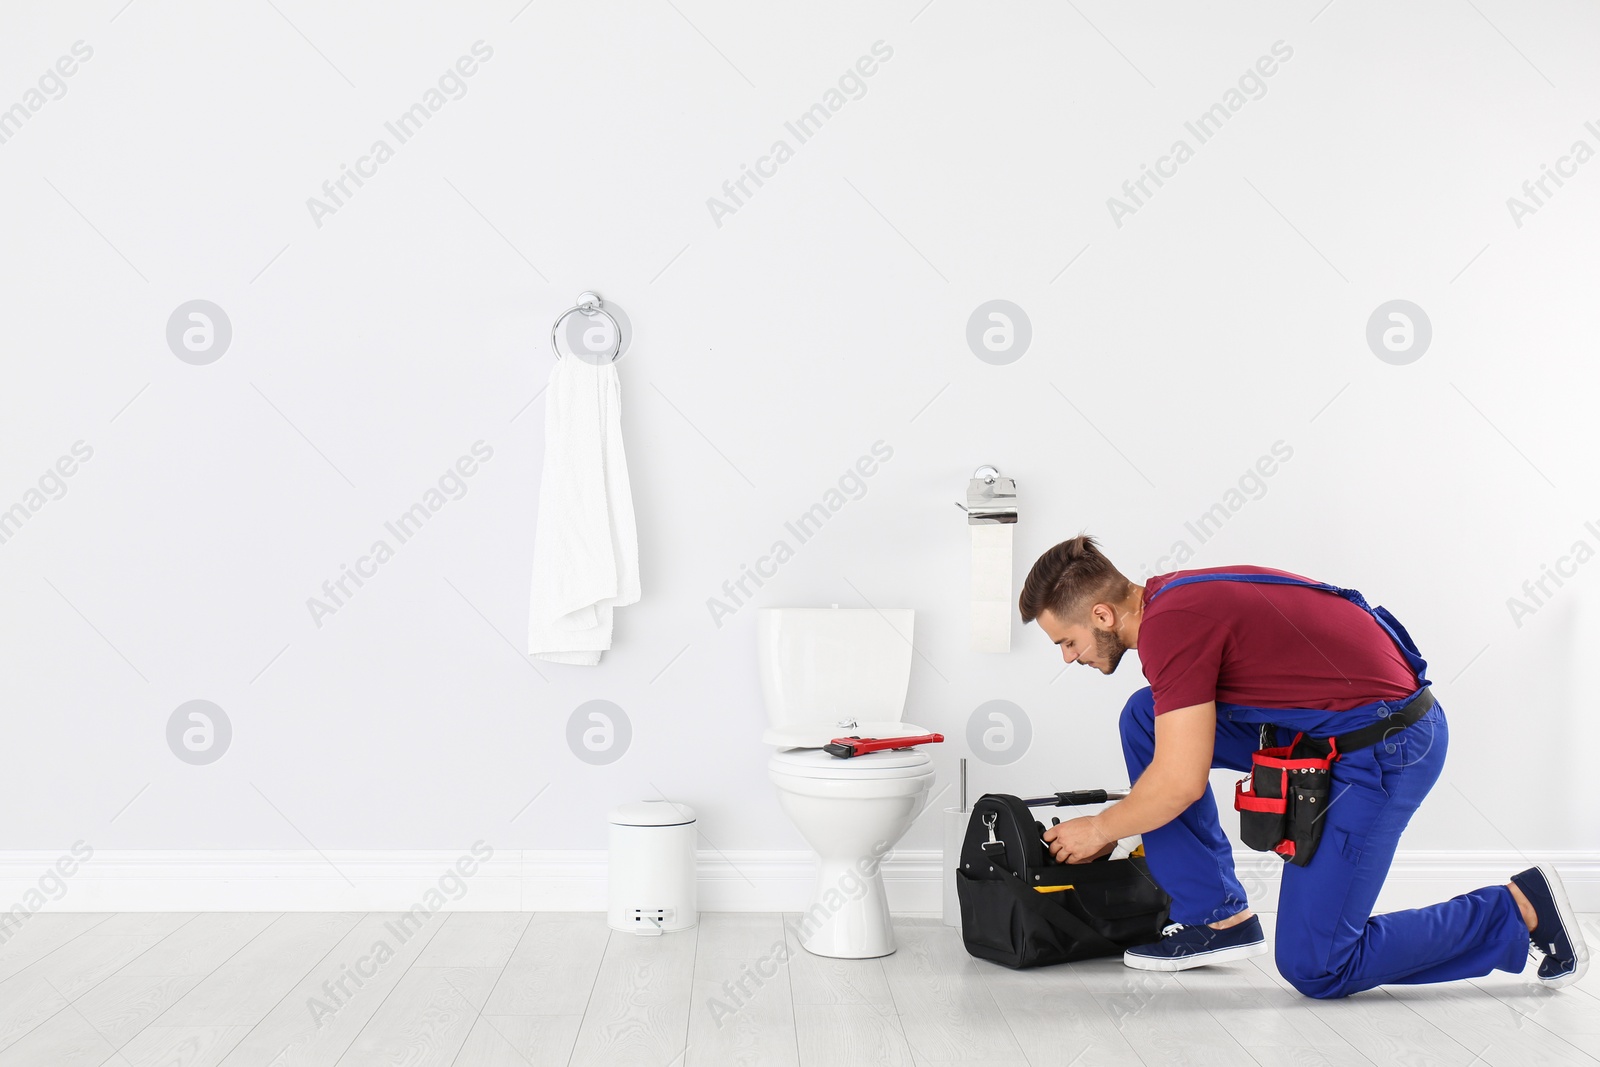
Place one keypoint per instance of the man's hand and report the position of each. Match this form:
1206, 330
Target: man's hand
1078, 840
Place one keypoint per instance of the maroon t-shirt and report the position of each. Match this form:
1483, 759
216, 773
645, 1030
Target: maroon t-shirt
1270, 646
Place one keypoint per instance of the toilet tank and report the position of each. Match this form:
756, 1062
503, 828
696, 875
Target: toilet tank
820, 665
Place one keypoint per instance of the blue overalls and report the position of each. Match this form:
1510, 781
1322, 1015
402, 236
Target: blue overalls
1328, 942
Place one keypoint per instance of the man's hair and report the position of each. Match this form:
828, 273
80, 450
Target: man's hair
1071, 578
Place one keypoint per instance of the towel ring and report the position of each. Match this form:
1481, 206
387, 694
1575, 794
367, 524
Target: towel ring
590, 304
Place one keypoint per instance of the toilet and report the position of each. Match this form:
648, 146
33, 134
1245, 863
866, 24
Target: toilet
833, 672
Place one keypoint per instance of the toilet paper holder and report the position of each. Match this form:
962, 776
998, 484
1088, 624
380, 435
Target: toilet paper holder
991, 499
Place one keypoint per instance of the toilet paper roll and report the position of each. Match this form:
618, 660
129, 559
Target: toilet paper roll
991, 587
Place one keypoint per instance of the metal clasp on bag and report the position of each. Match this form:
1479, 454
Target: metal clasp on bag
994, 845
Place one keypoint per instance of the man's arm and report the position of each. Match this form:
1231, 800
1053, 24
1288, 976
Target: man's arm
1178, 775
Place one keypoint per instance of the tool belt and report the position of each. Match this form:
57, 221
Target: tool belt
1281, 802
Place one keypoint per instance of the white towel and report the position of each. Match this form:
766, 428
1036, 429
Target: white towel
585, 546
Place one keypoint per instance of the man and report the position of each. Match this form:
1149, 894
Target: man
1229, 650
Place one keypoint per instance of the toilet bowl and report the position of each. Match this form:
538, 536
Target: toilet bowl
826, 673
851, 812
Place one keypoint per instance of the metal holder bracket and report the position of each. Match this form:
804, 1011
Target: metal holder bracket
991, 499
591, 305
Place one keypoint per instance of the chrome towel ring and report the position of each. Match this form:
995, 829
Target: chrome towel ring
590, 304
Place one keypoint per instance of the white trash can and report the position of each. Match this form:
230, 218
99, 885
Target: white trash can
651, 876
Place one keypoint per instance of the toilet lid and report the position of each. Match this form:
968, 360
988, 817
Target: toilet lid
815, 763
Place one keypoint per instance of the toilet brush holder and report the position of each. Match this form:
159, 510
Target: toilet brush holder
955, 832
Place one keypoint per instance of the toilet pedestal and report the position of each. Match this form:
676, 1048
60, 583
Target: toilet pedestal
848, 917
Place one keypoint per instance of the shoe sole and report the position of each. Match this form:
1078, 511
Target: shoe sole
1569, 920
1196, 959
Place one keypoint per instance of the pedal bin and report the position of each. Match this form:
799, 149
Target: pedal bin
651, 875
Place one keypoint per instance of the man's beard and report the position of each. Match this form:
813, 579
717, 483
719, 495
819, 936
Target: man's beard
1109, 647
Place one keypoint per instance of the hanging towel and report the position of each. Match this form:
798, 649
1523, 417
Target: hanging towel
585, 544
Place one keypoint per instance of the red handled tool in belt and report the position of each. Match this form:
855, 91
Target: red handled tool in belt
845, 747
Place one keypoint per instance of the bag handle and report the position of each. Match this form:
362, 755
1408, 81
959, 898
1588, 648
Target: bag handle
1059, 917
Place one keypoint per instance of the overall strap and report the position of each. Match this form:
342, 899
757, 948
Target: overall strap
1258, 579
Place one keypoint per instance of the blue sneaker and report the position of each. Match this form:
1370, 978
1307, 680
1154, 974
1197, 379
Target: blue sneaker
1555, 931
1182, 947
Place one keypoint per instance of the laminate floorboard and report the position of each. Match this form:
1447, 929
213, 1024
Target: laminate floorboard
471, 989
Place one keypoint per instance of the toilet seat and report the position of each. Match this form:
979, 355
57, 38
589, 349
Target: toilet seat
815, 735
816, 763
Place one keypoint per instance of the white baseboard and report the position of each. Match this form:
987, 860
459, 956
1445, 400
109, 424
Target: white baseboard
542, 880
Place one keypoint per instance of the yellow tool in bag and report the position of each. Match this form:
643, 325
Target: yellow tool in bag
1138, 850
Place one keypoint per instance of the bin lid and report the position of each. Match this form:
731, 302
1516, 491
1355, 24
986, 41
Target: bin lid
651, 813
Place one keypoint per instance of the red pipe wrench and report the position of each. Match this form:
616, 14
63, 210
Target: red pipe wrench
845, 747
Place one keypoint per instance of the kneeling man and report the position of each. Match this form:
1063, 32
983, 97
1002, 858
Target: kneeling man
1241, 658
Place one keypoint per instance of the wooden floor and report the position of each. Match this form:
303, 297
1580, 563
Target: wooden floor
484, 990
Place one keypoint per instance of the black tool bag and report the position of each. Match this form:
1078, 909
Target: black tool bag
1111, 904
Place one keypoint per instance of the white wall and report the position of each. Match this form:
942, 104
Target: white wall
827, 313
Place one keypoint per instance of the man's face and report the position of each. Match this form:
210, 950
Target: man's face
1091, 642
